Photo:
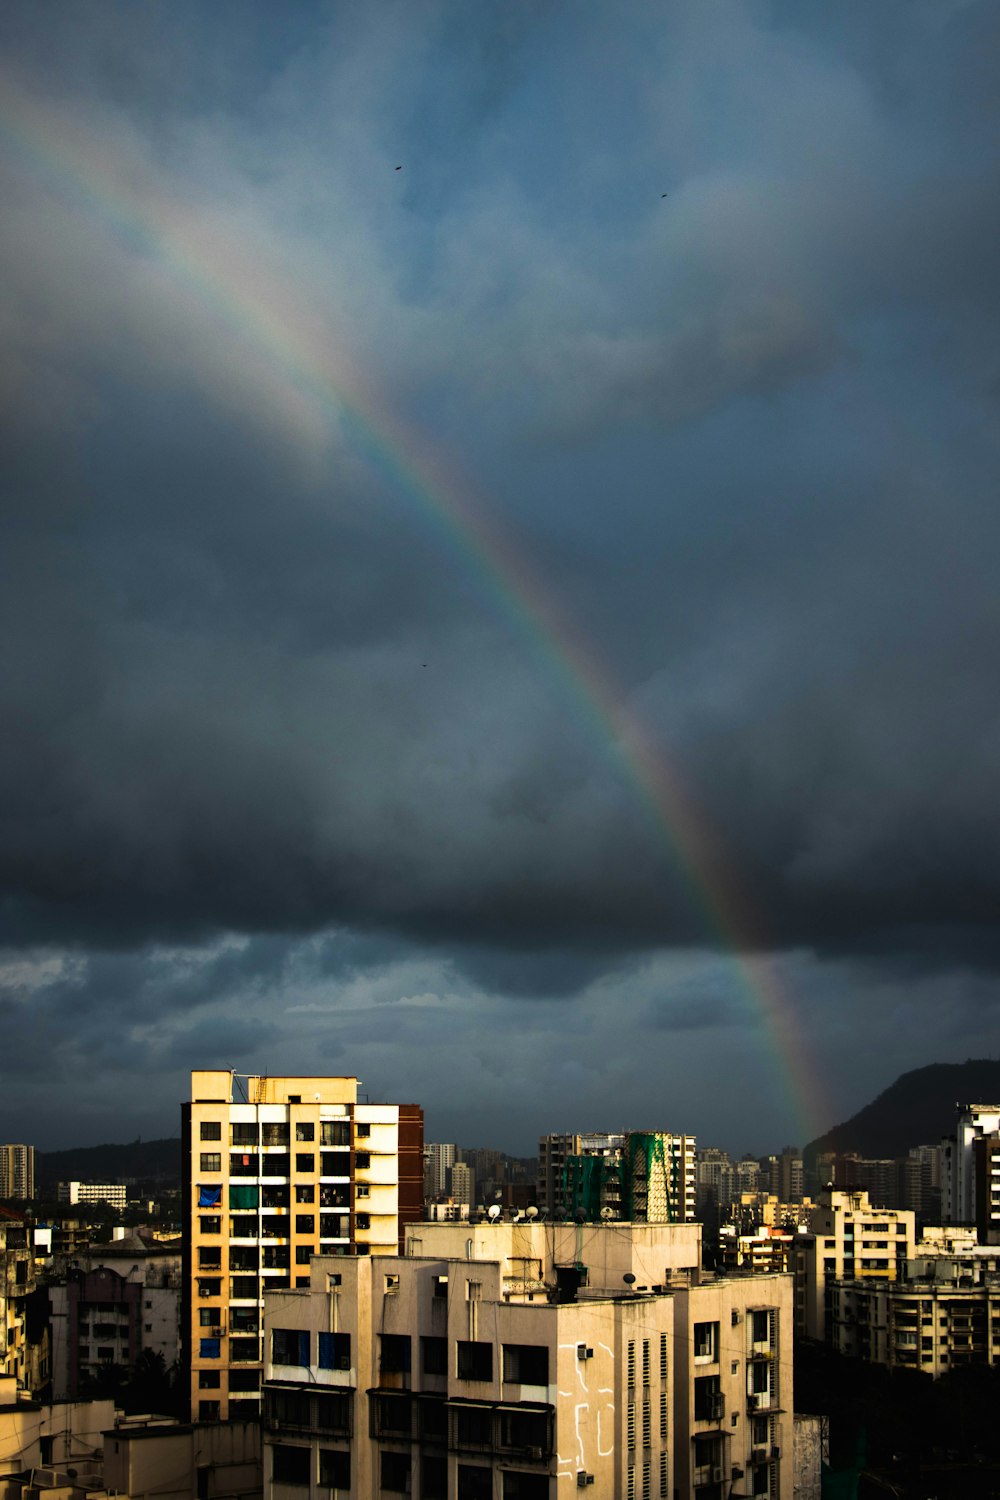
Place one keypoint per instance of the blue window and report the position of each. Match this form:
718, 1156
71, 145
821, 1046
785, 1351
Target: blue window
210, 1349
335, 1351
210, 1197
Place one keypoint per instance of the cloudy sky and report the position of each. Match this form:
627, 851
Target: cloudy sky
499, 551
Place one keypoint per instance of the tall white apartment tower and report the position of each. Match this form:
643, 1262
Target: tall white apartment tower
279, 1170
958, 1178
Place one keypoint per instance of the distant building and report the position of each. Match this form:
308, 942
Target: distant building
439, 1158
958, 1175
113, 1193
554, 1152
650, 1178
462, 1183
508, 1361
119, 1300
17, 1172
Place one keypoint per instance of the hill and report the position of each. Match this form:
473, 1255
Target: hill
916, 1110
156, 1162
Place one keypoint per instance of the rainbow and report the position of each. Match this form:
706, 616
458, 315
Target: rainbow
209, 263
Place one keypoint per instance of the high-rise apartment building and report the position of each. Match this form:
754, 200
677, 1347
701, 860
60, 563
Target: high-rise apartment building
439, 1158
958, 1175
277, 1171
17, 1171
849, 1239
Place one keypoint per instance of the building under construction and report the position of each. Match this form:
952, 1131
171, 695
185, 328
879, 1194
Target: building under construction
648, 1179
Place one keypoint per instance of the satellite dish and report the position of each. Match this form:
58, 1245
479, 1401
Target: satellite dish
607, 1213
628, 1279
531, 1213
493, 1213
515, 1217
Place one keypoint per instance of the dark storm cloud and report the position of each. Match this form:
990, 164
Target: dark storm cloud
745, 433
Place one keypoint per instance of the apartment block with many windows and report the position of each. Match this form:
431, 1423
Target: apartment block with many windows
279, 1169
510, 1362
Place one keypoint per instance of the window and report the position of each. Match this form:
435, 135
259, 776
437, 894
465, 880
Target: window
211, 1130
434, 1356
305, 1193
244, 1134
433, 1477
522, 1428
761, 1327
305, 1224
760, 1377
391, 1415
303, 1255
208, 1411
209, 1286
362, 1160
289, 1408
706, 1342
518, 1485
362, 1190
305, 1130
244, 1258
289, 1465
209, 1380
334, 1469
474, 1482
207, 1349
363, 1221
394, 1352
364, 1131
244, 1288
334, 1133
395, 1475
709, 1402
335, 1164
244, 1380
211, 1161
243, 1163
208, 1317
209, 1197
475, 1361
209, 1257
334, 1351
244, 1350
305, 1161
472, 1428
333, 1412
290, 1346
210, 1224
275, 1134
243, 1319
526, 1364
243, 1226
433, 1414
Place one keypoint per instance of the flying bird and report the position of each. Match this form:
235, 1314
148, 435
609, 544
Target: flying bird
400, 168
662, 195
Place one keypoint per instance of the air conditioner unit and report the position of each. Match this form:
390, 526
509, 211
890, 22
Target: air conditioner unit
582, 1352
775, 1451
583, 1479
218, 1333
737, 1316
535, 1454
717, 1475
737, 1472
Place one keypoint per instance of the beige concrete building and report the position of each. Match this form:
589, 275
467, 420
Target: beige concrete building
511, 1361
847, 1240
17, 1282
153, 1460
277, 1171
55, 1437
114, 1194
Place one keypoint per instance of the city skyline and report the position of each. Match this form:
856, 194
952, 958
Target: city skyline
497, 591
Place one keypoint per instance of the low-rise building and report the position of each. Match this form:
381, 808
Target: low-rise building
508, 1359
113, 1193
